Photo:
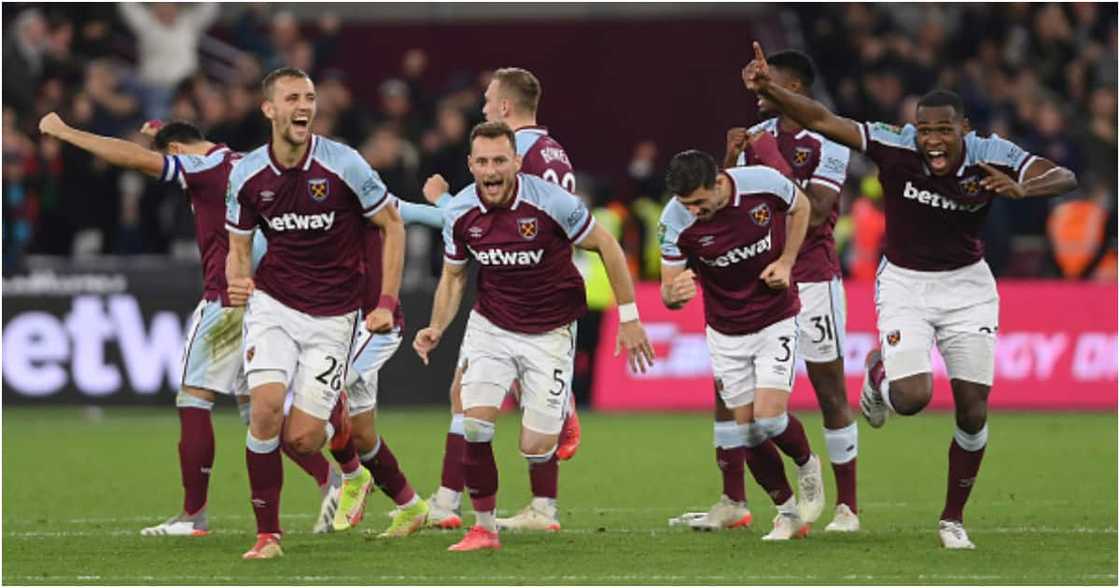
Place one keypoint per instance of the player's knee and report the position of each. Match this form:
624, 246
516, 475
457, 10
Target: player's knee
911, 394
755, 435
365, 438
477, 430
771, 427
539, 451
973, 417
304, 442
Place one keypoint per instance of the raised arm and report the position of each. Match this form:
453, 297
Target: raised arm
449, 295
807, 112
380, 320
631, 335
1041, 179
116, 151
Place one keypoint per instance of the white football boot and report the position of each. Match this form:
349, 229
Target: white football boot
953, 535
325, 522
443, 509
540, 515
788, 524
843, 521
181, 525
871, 402
810, 490
725, 514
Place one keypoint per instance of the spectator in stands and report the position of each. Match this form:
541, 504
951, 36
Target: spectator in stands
167, 46
24, 54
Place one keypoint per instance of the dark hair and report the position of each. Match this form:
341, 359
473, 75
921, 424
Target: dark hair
284, 72
493, 130
524, 87
177, 132
942, 98
689, 170
797, 63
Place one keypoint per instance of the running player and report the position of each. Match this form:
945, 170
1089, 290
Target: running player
211, 356
740, 231
819, 167
512, 97
933, 285
521, 230
309, 196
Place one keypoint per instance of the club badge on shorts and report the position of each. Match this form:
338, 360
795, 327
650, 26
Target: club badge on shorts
318, 189
527, 227
893, 338
250, 352
761, 215
801, 156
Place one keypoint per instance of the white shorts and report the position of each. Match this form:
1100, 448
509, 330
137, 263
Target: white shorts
371, 352
542, 364
822, 320
312, 352
957, 309
212, 352
745, 363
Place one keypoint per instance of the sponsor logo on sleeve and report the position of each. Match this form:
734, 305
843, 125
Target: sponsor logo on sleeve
318, 189
576, 215
527, 228
887, 128
761, 215
369, 187
834, 165
661, 230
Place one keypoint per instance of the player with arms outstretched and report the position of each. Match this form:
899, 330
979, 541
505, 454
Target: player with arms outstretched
740, 232
819, 167
312, 198
512, 97
212, 352
520, 229
934, 286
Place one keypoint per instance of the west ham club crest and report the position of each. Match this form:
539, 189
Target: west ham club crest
801, 156
970, 185
318, 189
761, 215
527, 227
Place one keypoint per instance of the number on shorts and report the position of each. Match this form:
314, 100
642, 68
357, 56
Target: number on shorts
568, 182
785, 346
560, 383
824, 329
332, 376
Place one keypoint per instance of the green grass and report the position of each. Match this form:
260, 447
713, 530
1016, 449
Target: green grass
78, 487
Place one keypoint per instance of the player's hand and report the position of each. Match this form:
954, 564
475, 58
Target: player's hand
756, 75
151, 127
51, 124
435, 187
776, 275
426, 340
639, 353
682, 288
1001, 183
379, 320
239, 291
736, 141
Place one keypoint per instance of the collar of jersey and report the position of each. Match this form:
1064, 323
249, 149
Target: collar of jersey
304, 164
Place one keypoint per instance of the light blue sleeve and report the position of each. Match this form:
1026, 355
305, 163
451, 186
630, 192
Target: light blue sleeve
260, 247
444, 200
358, 175
422, 214
674, 219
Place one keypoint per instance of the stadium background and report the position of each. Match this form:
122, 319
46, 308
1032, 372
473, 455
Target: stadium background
100, 266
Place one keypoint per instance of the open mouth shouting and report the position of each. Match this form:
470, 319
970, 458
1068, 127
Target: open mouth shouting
938, 160
493, 187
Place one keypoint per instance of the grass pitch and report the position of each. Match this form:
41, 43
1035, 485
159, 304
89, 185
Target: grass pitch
79, 486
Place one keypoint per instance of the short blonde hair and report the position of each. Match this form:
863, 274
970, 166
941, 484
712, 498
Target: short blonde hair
522, 87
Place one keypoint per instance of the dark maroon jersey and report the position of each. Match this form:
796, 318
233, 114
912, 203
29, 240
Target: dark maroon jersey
205, 177
314, 216
814, 160
542, 156
527, 282
729, 251
934, 222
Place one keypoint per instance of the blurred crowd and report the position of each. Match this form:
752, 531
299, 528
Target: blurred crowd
1042, 75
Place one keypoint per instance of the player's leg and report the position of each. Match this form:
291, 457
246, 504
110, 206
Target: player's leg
546, 362
262, 458
729, 438
967, 340
898, 375
489, 369
211, 363
445, 501
821, 344
327, 478
378, 459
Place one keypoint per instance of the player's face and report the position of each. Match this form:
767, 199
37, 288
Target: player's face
494, 165
704, 202
495, 107
291, 108
940, 137
783, 79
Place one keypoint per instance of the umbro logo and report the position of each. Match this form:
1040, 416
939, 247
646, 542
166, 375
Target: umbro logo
707, 240
268, 196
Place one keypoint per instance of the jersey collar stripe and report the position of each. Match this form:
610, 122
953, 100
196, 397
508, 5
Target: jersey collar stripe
734, 186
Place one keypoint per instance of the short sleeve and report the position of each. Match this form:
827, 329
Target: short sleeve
668, 235
760, 179
832, 169
241, 215
879, 139
571, 214
1000, 152
365, 183
454, 249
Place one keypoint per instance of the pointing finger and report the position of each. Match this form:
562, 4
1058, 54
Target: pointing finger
758, 53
